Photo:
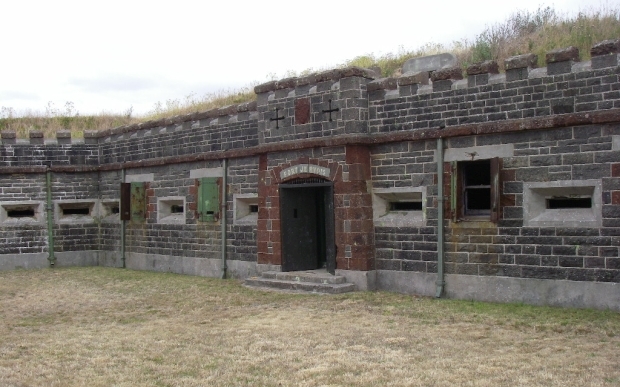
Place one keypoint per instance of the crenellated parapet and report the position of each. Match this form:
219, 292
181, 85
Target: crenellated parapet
334, 105
566, 85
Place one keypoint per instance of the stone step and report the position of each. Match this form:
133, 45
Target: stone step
313, 287
320, 277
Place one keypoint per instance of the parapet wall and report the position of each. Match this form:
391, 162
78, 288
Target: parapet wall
352, 103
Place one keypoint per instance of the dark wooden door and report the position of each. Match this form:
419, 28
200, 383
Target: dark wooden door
307, 224
298, 212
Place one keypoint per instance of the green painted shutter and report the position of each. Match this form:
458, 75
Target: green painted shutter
209, 199
138, 202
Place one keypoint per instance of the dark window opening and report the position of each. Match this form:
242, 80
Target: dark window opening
76, 211
115, 210
477, 187
405, 206
556, 203
20, 213
176, 209
210, 212
253, 208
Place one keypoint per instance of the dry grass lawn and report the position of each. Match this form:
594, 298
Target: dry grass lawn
114, 327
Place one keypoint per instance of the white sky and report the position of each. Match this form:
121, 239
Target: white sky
112, 55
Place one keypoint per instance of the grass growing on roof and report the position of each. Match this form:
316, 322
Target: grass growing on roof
522, 32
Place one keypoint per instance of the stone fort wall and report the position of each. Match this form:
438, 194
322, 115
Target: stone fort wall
553, 132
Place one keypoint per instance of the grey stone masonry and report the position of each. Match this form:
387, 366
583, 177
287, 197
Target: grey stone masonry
331, 103
605, 54
545, 143
560, 61
518, 67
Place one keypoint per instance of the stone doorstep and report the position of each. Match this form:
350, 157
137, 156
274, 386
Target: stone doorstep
315, 276
303, 281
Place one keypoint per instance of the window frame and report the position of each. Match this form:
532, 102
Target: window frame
458, 191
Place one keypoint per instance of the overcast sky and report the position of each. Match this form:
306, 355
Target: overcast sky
113, 55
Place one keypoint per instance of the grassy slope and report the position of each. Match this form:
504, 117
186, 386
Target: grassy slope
524, 32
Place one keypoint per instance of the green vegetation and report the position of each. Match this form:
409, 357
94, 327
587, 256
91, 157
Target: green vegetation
523, 32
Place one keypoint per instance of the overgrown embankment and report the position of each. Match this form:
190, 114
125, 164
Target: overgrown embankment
523, 32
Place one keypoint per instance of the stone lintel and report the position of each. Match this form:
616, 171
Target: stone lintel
8, 135
63, 134
562, 55
246, 107
419, 78
355, 71
486, 67
306, 80
63, 137
286, 83
35, 134
452, 73
521, 61
328, 75
227, 110
265, 87
383, 84
611, 46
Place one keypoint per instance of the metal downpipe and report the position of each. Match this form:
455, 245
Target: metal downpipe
123, 227
50, 218
223, 215
440, 219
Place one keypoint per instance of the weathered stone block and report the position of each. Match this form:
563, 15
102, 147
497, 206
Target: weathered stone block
452, 73
382, 84
486, 67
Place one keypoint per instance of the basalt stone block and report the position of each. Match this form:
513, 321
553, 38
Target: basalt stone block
246, 107
486, 67
265, 87
227, 110
561, 61
383, 84
605, 54
90, 137
36, 137
452, 73
529, 61
8, 137
417, 78
328, 75
357, 72
563, 55
611, 46
305, 80
286, 83
562, 105
63, 137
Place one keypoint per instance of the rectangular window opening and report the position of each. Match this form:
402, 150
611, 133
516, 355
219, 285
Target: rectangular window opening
21, 213
253, 208
566, 202
115, 210
176, 209
477, 187
75, 211
405, 206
